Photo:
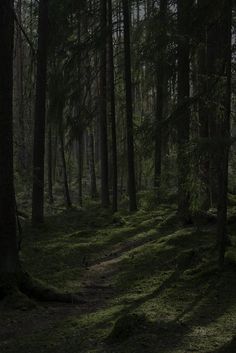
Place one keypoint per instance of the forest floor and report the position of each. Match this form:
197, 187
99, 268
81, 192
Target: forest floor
149, 286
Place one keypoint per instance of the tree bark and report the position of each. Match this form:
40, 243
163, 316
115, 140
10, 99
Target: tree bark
80, 157
103, 107
64, 169
39, 124
93, 184
223, 123
160, 94
203, 107
9, 260
129, 108
183, 127
80, 145
50, 183
113, 109
19, 94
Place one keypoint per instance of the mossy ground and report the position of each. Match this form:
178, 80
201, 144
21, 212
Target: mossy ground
141, 268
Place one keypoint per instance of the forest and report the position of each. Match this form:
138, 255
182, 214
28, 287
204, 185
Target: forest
117, 176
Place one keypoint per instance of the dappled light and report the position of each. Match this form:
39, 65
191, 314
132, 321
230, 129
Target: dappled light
117, 176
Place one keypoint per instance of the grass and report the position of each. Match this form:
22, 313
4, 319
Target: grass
151, 286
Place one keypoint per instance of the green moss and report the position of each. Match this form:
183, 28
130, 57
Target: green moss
126, 326
162, 291
230, 256
16, 300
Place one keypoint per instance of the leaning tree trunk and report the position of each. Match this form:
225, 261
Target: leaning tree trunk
183, 126
8, 240
39, 123
129, 108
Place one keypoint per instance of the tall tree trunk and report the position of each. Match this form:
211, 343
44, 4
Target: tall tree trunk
93, 184
80, 151
113, 109
19, 101
50, 183
8, 240
203, 106
54, 157
80, 157
39, 124
183, 127
64, 169
160, 94
103, 107
129, 108
212, 75
223, 122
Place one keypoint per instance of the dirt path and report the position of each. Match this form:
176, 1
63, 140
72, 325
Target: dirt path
97, 290
97, 280
138, 274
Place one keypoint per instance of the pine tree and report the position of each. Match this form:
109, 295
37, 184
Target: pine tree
40, 113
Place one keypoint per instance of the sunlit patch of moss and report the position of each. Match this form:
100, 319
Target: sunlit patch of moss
143, 262
160, 271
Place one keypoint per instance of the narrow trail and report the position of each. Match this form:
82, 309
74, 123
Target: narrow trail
96, 287
115, 281
97, 280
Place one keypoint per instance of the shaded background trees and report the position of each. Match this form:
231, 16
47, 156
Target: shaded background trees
135, 97
131, 102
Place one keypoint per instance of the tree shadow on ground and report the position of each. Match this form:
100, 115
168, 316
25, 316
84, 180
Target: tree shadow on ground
211, 299
202, 299
228, 348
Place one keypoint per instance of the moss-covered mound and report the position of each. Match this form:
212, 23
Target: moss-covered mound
126, 326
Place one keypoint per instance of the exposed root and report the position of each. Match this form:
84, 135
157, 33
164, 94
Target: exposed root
34, 288
22, 288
